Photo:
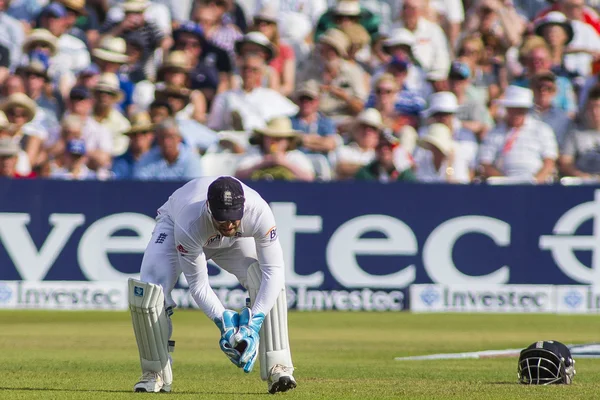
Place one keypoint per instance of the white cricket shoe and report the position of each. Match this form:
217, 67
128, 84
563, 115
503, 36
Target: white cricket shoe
281, 379
151, 382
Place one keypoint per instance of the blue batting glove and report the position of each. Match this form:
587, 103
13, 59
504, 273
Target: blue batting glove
247, 337
228, 324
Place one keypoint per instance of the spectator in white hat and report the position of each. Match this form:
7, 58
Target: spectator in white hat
284, 62
364, 136
443, 109
403, 64
431, 45
276, 155
520, 147
558, 32
7, 132
343, 89
107, 94
252, 105
257, 43
21, 112
434, 160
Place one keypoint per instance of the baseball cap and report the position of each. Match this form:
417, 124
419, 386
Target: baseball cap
226, 199
76, 147
55, 10
399, 63
80, 92
90, 70
459, 71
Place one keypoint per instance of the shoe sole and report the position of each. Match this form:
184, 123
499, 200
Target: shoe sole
284, 384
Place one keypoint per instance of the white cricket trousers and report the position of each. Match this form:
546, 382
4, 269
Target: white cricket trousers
160, 264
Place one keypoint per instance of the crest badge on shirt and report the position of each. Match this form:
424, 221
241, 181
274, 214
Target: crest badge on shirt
181, 249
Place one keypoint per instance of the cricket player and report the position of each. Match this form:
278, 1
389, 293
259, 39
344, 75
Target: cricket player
225, 221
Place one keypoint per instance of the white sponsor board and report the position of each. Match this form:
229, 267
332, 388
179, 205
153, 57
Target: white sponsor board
573, 299
63, 295
303, 299
482, 298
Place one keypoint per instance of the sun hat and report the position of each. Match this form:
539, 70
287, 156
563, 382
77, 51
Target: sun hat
516, 97
438, 135
336, 39
280, 127
140, 122
112, 49
441, 102
258, 39
370, 117
555, 18
42, 36
20, 100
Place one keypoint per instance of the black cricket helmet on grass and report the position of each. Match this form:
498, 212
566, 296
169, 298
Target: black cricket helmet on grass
226, 199
546, 362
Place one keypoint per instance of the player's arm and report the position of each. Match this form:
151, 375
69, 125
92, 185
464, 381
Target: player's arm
193, 264
270, 259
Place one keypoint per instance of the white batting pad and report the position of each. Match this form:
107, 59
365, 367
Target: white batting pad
274, 347
151, 327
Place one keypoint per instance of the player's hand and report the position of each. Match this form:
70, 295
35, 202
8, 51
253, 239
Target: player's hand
247, 337
228, 324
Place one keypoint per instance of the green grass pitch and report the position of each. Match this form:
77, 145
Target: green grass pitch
92, 355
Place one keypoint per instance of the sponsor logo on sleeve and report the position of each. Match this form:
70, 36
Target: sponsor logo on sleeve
182, 249
272, 233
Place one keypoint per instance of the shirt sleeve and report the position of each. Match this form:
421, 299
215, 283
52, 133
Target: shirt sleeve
192, 261
216, 118
549, 144
194, 166
569, 147
270, 259
489, 149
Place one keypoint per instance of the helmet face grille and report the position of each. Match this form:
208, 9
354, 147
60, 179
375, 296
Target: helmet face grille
540, 371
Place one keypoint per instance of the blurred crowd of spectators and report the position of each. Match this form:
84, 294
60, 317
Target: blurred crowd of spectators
452, 91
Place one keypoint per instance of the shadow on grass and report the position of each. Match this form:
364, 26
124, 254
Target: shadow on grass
34, 389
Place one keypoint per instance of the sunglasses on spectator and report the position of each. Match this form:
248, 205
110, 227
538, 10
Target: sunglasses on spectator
260, 22
184, 44
34, 75
17, 113
306, 98
469, 52
383, 91
77, 98
250, 69
546, 88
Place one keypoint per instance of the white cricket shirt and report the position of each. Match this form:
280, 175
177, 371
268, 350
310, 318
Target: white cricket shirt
194, 231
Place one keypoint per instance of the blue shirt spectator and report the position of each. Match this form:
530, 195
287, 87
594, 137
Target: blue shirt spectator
123, 166
170, 159
319, 132
407, 102
565, 95
141, 139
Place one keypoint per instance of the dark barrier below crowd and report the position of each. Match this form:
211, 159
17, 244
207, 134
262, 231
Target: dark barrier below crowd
348, 246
